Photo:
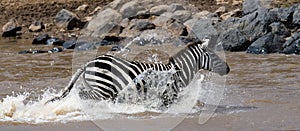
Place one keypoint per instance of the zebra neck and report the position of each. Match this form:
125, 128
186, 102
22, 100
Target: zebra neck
187, 61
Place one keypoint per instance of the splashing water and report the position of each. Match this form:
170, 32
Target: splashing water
72, 108
14, 109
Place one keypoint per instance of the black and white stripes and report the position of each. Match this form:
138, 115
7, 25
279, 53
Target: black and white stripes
105, 76
195, 57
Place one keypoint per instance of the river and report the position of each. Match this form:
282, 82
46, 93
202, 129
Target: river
262, 91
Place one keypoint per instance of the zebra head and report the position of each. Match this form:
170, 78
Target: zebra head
212, 62
218, 65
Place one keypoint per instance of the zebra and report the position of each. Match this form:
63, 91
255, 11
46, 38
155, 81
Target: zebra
106, 75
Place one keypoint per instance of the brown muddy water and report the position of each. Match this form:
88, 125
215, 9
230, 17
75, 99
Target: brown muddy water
262, 91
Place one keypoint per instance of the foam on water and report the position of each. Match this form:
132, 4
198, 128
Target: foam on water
14, 109
72, 108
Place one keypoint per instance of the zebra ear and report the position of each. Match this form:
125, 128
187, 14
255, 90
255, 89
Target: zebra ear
210, 42
205, 42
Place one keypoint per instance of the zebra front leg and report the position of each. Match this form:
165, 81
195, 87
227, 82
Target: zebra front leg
167, 98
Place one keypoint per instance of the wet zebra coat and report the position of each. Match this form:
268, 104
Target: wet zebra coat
105, 76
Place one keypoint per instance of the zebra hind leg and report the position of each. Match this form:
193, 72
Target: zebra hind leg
53, 99
168, 98
68, 88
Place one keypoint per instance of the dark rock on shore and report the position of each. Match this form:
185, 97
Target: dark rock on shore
41, 39
178, 29
249, 6
11, 28
269, 43
119, 48
45, 39
129, 9
296, 16
139, 41
105, 42
280, 29
102, 18
80, 45
159, 9
106, 30
12, 32
53, 50
55, 41
70, 44
186, 40
32, 52
182, 15
233, 40
68, 20
203, 28
116, 48
175, 7
257, 25
85, 46
292, 45
143, 25
260, 31
293, 49
284, 14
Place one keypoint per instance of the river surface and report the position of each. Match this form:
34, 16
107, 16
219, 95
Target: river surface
262, 91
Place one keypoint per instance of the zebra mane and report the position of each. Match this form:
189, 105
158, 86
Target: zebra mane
187, 47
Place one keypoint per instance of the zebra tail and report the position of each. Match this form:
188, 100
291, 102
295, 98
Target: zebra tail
69, 87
